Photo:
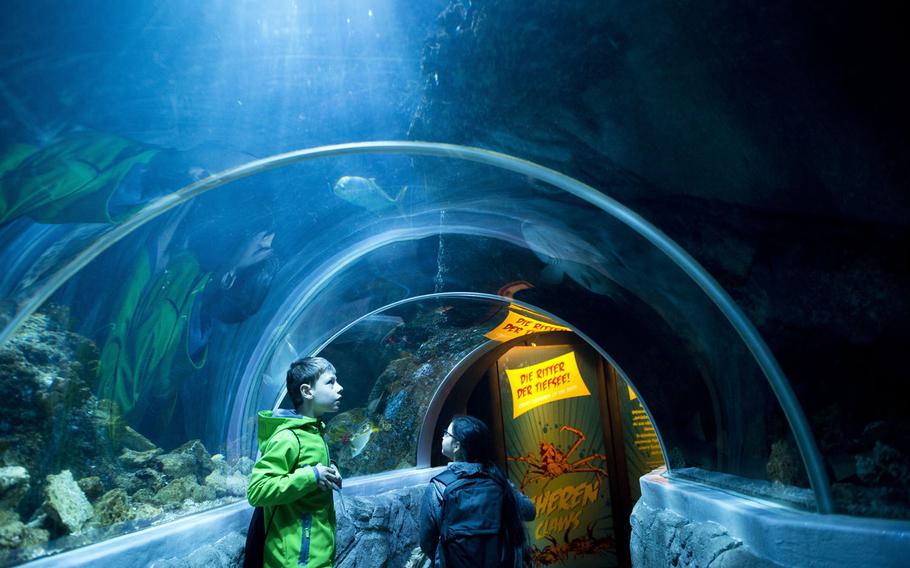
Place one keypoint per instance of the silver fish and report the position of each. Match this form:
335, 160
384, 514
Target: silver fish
366, 193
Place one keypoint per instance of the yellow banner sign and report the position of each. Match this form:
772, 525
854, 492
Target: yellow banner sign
516, 325
545, 382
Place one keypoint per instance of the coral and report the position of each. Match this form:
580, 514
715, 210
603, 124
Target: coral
177, 465
244, 465
179, 490
145, 478
113, 507
394, 405
785, 466
49, 415
227, 483
132, 459
91, 486
402, 392
13, 486
10, 529
189, 459
66, 503
53, 431
885, 466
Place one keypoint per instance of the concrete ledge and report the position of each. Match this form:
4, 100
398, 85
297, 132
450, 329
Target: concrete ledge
780, 534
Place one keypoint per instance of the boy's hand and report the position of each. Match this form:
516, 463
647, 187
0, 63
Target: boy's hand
329, 478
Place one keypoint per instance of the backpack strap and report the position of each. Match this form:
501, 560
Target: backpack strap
446, 478
441, 483
449, 477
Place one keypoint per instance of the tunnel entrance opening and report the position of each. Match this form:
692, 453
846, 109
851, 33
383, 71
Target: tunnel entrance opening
567, 426
571, 434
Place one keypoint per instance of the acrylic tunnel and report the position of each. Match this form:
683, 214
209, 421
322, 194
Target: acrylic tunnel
658, 399
458, 287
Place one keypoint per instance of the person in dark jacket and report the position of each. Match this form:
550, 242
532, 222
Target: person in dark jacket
494, 513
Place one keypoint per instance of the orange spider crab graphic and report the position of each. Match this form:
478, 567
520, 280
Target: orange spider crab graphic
558, 553
552, 462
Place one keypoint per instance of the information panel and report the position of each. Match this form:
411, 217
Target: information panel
552, 380
556, 456
518, 324
643, 451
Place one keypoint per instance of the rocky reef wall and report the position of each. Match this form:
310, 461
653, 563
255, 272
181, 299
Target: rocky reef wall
767, 138
72, 472
679, 523
663, 538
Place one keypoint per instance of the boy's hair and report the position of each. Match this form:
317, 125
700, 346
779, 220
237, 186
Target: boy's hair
305, 371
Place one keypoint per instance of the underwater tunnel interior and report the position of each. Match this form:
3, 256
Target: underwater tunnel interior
497, 288
656, 286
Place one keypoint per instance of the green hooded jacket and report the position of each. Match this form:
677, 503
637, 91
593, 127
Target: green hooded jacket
302, 528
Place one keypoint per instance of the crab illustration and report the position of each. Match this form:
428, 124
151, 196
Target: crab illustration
550, 554
558, 553
552, 462
588, 544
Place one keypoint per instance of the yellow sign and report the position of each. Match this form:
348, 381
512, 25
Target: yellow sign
545, 382
516, 325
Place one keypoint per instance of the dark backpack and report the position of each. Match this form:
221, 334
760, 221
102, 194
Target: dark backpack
471, 530
254, 550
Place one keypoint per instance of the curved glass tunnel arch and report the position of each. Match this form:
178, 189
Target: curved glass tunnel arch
368, 339
470, 220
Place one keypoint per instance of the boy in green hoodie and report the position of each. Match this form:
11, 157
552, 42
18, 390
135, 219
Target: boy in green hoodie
293, 480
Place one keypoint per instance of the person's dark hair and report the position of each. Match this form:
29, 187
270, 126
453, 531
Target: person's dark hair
474, 437
305, 371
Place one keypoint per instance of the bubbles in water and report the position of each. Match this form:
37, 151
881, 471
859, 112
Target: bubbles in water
441, 269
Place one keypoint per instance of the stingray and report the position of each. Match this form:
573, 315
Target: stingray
567, 254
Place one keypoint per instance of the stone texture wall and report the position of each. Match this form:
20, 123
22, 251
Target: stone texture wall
227, 552
378, 531
664, 538
373, 532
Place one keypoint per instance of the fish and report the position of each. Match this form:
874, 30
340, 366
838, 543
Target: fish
566, 254
366, 193
361, 437
351, 428
509, 290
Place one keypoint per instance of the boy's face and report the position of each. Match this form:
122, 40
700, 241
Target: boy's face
325, 393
